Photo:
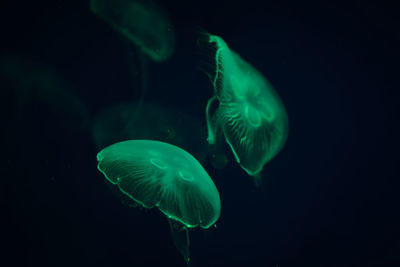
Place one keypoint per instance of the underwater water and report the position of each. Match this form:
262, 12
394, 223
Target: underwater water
78, 76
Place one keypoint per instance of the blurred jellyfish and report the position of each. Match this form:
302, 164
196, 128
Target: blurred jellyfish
157, 174
153, 121
46, 113
145, 25
33, 84
142, 22
250, 113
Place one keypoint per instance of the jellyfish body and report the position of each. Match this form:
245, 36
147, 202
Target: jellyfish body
157, 174
250, 113
142, 22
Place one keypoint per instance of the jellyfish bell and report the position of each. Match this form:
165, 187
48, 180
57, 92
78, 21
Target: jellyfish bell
142, 22
250, 113
166, 179
255, 126
157, 174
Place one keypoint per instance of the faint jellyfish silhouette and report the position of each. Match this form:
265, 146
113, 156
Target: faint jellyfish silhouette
142, 22
157, 174
33, 84
145, 25
45, 111
250, 113
155, 122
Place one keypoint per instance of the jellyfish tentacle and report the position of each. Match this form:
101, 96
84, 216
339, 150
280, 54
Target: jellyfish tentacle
257, 179
180, 237
217, 155
211, 127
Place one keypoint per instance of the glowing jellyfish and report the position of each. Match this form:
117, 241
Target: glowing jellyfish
142, 22
157, 174
250, 114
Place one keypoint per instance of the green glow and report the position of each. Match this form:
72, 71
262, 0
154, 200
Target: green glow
142, 22
157, 174
158, 163
180, 236
185, 176
251, 116
250, 113
217, 156
211, 138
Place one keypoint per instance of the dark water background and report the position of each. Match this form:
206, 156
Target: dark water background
330, 198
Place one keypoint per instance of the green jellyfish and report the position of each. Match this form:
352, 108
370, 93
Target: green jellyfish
250, 113
142, 22
157, 174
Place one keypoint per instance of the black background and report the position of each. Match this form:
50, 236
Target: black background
328, 199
